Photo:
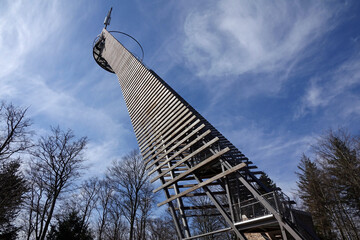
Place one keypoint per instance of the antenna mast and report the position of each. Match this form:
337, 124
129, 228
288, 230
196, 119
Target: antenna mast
108, 18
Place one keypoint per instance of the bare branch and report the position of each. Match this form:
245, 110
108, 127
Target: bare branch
14, 131
56, 163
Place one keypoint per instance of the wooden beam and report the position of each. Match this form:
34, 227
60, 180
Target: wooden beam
209, 233
174, 136
192, 185
201, 194
191, 170
187, 157
175, 146
178, 117
201, 207
161, 135
223, 174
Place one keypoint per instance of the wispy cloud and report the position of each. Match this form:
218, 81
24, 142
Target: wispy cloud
334, 90
277, 152
27, 30
263, 146
34, 37
262, 38
25, 26
109, 135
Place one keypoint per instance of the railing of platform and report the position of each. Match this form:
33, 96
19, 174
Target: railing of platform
253, 208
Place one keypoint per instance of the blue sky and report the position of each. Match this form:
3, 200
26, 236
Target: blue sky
270, 75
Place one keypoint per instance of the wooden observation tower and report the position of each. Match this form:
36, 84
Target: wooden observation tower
190, 158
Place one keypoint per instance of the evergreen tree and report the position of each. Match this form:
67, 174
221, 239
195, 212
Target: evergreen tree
70, 227
267, 182
14, 139
330, 185
311, 192
338, 153
12, 189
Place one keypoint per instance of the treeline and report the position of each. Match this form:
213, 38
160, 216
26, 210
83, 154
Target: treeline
329, 185
43, 196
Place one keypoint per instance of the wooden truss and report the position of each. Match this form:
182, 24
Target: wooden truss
187, 157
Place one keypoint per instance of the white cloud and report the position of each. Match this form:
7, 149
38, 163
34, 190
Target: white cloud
253, 37
25, 26
333, 90
31, 36
269, 148
276, 152
99, 157
109, 136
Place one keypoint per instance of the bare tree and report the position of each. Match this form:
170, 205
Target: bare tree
56, 163
83, 201
116, 228
15, 138
110, 220
130, 181
162, 228
103, 207
205, 219
15, 135
145, 208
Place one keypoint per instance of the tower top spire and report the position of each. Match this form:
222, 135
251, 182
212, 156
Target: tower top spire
108, 18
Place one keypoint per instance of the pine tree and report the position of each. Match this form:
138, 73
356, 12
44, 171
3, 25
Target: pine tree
70, 227
330, 186
338, 153
310, 185
12, 189
267, 182
15, 138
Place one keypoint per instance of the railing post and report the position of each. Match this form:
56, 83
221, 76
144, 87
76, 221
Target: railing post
276, 201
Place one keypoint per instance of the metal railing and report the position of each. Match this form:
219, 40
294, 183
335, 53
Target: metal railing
252, 208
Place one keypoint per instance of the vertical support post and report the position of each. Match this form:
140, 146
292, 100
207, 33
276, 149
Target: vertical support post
220, 209
267, 205
239, 201
181, 206
283, 233
171, 206
179, 200
228, 195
